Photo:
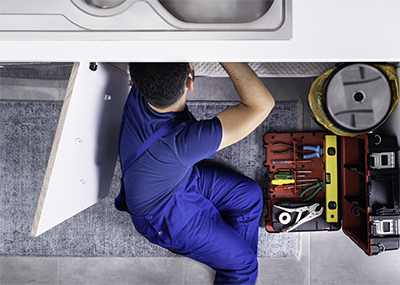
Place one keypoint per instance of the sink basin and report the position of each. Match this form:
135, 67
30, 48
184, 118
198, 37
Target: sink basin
217, 11
147, 19
104, 4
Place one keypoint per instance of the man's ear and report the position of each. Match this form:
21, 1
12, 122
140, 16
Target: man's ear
190, 84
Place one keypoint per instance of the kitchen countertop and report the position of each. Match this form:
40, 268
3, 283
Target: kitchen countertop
323, 30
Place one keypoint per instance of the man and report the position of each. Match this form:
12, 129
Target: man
204, 212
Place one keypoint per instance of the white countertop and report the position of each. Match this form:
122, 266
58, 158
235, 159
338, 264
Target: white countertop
323, 30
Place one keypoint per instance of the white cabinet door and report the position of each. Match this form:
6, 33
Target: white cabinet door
85, 148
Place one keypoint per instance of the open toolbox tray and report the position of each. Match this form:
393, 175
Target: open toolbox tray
359, 193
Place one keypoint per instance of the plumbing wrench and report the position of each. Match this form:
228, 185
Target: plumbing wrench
311, 210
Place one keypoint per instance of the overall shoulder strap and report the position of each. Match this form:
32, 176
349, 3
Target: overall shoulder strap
120, 202
151, 140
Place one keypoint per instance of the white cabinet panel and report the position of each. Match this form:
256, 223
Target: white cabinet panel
85, 147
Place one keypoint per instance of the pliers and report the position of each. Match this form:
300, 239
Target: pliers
290, 148
318, 151
311, 211
319, 186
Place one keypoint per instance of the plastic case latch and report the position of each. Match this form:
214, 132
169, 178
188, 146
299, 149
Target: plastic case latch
386, 227
382, 160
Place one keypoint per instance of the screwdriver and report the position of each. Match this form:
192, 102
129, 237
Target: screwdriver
289, 181
286, 176
281, 188
289, 161
284, 170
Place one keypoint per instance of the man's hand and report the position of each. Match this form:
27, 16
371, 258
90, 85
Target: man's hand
256, 103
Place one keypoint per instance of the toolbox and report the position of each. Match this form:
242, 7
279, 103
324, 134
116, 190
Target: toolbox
320, 181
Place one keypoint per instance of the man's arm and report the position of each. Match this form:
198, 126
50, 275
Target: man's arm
256, 103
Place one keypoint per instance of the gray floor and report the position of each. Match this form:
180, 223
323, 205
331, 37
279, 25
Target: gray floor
326, 257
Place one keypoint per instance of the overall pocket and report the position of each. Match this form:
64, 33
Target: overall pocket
154, 228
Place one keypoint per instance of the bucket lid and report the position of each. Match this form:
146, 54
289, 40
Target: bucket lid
358, 97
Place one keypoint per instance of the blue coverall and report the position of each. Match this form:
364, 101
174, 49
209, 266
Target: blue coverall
212, 217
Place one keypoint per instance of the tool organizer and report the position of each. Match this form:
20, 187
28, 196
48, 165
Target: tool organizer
360, 193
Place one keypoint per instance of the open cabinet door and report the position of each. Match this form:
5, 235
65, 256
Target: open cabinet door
85, 148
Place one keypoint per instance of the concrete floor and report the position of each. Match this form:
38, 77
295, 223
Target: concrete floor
326, 257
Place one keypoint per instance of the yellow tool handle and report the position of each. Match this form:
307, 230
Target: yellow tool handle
282, 181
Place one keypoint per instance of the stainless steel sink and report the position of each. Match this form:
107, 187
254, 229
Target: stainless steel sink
147, 19
104, 4
217, 11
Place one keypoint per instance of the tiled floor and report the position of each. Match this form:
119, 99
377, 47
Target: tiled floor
326, 257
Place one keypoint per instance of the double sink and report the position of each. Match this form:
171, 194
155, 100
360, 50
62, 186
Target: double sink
147, 19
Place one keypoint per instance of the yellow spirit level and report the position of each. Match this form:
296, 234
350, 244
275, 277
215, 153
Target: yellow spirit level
331, 179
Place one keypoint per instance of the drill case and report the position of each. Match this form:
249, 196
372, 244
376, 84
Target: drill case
347, 182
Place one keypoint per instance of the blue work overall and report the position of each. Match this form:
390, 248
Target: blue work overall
213, 217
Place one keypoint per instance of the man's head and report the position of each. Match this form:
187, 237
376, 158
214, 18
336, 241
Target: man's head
161, 84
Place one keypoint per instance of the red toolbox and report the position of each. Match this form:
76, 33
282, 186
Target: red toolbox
319, 181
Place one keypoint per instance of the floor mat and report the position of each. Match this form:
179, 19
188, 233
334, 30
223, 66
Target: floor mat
27, 130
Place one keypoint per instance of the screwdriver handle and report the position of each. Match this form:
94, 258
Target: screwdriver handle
282, 188
283, 176
282, 181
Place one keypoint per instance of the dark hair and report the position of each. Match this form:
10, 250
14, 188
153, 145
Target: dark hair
161, 84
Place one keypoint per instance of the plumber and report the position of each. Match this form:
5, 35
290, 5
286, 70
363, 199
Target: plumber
200, 211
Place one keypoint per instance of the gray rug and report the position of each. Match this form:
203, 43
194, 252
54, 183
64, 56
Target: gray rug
27, 129
37, 71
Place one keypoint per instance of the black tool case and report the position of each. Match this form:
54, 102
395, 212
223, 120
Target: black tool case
360, 191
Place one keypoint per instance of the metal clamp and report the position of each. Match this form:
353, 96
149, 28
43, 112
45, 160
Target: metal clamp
312, 212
